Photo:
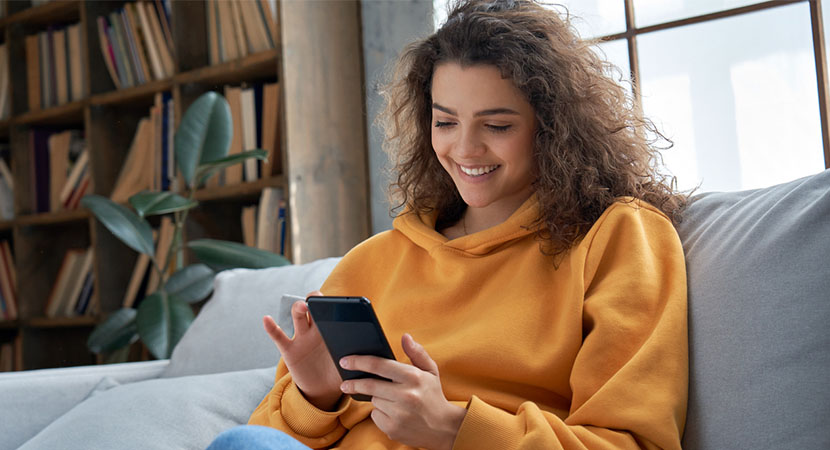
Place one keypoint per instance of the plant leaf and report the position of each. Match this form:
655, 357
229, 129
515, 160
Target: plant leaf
204, 171
204, 134
191, 284
148, 203
162, 321
123, 223
118, 331
221, 255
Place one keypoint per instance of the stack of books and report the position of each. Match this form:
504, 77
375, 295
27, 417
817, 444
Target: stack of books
8, 283
136, 43
54, 68
150, 161
60, 170
71, 294
254, 110
237, 28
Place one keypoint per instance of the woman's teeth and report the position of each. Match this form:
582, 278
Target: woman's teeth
478, 171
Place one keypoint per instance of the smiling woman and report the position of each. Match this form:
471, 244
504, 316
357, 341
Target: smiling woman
533, 288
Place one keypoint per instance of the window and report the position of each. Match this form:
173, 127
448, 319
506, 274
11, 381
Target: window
733, 83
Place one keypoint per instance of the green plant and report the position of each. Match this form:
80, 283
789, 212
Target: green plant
201, 149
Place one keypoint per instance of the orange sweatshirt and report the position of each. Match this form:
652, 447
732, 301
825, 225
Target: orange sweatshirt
592, 354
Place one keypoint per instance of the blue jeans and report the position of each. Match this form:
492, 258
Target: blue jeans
254, 437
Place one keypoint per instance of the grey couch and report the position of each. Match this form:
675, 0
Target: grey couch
759, 318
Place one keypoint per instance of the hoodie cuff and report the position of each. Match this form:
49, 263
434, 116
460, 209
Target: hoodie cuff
486, 426
306, 419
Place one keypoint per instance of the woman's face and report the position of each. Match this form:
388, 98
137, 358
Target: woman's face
483, 132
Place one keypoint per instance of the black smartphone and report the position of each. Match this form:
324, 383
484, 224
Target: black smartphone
349, 326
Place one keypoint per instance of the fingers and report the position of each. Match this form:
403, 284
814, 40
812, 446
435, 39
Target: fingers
275, 332
300, 316
418, 355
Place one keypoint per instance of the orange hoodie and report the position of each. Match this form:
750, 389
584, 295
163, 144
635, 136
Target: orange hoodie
589, 354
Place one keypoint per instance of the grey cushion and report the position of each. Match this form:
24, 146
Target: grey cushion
173, 413
24, 394
227, 334
758, 267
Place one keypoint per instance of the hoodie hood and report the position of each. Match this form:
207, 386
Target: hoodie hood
420, 229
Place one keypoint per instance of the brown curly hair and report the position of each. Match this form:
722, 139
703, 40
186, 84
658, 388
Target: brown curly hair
592, 144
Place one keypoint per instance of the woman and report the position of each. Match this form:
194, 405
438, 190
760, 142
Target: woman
534, 280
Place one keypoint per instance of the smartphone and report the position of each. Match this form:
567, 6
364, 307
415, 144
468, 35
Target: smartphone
349, 326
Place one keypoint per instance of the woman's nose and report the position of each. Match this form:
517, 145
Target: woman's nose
470, 143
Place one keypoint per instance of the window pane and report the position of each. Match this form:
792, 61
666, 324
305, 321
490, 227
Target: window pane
595, 18
738, 97
616, 52
651, 12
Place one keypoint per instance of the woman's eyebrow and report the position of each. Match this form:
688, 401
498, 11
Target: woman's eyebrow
486, 112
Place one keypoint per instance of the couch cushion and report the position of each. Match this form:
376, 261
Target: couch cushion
227, 334
176, 413
758, 267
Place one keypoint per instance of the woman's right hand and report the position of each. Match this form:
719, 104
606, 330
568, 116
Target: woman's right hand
307, 358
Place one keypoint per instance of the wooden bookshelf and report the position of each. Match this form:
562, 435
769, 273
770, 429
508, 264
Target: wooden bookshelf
108, 118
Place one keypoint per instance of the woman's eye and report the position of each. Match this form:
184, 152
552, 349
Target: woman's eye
439, 124
498, 128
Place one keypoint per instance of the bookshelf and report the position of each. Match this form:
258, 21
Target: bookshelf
330, 213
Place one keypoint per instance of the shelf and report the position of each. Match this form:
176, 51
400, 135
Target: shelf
66, 114
251, 67
53, 218
237, 191
62, 322
141, 92
46, 14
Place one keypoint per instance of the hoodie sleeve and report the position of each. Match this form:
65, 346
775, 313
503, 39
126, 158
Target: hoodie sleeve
630, 378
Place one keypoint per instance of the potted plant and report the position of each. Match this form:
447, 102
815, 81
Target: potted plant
161, 318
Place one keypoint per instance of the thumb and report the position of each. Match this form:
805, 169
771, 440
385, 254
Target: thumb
418, 355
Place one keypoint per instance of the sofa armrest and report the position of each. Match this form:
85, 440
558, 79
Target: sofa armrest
33, 399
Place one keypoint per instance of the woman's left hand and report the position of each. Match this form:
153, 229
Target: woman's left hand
411, 409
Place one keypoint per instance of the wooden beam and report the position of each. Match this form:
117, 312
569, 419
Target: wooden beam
821, 76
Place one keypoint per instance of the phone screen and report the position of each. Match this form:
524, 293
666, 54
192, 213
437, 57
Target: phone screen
349, 326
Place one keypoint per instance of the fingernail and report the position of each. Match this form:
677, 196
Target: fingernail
344, 363
345, 387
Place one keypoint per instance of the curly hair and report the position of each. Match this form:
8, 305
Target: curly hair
592, 143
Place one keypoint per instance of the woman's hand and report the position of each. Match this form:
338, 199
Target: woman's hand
307, 358
411, 409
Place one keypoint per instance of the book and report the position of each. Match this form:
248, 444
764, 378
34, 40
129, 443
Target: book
150, 41
39, 153
59, 67
268, 22
77, 70
68, 270
58, 166
6, 192
135, 174
158, 38
248, 113
82, 307
141, 71
241, 39
84, 187
33, 71
5, 101
229, 48
164, 20
107, 53
74, 177
233, 174
138, 281
270, 129
47, 72
121, 48
254, 28
76, 284
8, 285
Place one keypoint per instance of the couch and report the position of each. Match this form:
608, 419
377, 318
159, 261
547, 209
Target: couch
758, 266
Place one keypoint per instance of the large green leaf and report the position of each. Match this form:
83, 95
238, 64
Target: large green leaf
118, 331
148, 203
123, 223
162, 321
221, 255
204, 134
204, 171
191, 284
